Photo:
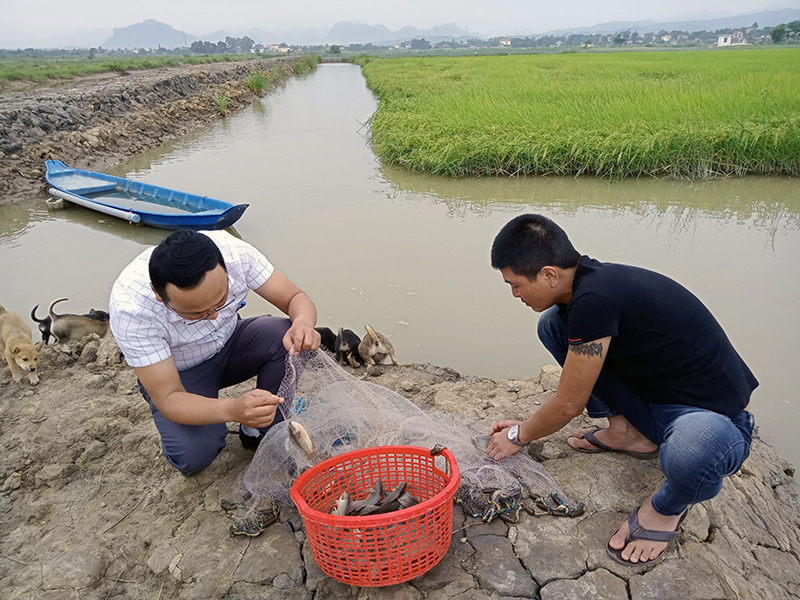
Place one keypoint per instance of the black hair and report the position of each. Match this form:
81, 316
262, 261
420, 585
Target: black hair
529, 242
183, 259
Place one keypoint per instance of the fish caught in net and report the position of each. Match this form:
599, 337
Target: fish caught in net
338, 412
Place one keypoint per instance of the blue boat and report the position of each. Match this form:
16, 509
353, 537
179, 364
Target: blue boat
139, 202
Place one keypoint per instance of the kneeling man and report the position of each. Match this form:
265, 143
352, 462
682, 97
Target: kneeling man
638, 348
174, 312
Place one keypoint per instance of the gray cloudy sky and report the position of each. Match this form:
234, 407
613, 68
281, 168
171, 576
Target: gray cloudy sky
43, 23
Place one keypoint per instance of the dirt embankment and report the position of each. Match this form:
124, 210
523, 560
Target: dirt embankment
90, 509
95, 122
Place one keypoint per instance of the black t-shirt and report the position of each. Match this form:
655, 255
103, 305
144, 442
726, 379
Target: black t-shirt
665, 344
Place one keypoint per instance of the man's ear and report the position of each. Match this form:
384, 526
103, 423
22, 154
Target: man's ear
550, 274
158, 297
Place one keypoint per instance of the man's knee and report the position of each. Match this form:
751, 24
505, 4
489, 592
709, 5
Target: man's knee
192, 460
552, 333
549, 324
705, 442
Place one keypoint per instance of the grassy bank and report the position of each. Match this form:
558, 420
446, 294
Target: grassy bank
695, 114
44, 69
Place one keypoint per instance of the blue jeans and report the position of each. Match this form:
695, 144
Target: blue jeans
255, 348
699, 447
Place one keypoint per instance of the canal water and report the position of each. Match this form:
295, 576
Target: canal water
409, 254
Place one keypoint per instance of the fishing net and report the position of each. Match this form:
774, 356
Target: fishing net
342, 413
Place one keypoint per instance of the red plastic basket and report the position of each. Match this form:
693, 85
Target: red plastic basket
379, 550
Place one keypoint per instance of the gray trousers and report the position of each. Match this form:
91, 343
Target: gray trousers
255, 348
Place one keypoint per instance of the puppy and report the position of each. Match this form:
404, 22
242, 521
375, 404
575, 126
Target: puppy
45, 324
71, 328
375, 347
17, 346
328, 338
346, 344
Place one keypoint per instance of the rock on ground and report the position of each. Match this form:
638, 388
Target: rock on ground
89, 508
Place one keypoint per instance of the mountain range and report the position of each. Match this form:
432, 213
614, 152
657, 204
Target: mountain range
148, 34
767, 18
152, 34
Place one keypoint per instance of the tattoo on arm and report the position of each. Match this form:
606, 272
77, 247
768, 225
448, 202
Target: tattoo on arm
588, 349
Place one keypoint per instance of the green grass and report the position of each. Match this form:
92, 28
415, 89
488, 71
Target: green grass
223, 102
44, 69
695, 114
258, 81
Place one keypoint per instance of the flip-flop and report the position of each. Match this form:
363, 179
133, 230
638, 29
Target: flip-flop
637, 532
601, 447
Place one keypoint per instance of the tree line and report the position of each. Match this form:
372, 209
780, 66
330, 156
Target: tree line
231, 45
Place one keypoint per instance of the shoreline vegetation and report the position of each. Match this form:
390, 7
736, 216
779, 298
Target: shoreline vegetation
682, 114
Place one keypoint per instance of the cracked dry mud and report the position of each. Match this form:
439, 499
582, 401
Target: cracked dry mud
90, 509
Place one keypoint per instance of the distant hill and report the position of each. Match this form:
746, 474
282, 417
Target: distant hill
88, 38
768, 18
359, 33
345, 33
148, 34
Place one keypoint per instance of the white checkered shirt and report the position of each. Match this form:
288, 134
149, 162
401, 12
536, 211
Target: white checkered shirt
148, 332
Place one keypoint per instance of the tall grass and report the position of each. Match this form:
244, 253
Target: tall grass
223, 102
695, 114
258, 81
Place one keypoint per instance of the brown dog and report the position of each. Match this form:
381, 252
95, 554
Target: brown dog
17, 347
375, 347
71, 328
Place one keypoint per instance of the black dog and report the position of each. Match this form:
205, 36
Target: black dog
347, 348
328, 338
47, 322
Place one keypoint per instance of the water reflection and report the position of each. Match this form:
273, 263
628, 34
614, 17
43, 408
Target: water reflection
119, 228
17, 219
772, 203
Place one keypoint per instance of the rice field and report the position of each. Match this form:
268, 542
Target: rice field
685, 114
44, 69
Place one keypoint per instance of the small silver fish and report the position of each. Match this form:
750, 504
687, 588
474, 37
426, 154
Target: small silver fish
394, 494
372, 497
342, 504
301, 439
369, 509
405, 499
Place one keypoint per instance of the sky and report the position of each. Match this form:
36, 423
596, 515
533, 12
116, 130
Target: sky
45, 23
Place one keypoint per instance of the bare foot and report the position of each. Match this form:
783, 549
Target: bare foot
620, 435
643, 551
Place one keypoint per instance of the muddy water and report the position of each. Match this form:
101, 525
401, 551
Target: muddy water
409, 254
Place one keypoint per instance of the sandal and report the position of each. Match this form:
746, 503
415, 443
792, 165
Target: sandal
601, 447
637, 532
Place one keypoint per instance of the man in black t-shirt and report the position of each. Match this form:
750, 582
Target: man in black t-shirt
640, 349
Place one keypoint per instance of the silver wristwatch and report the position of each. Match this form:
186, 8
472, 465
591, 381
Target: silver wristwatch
513, 436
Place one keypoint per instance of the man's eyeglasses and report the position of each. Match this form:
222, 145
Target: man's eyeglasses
213, 311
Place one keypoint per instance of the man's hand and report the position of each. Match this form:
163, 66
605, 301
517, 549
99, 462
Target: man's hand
282, 293
301, 337
255, 408
500, 446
